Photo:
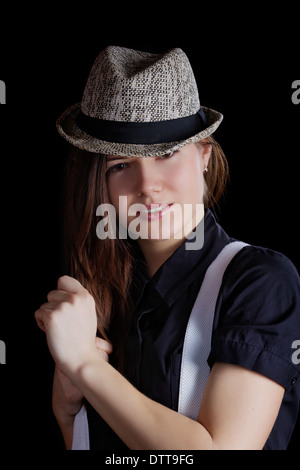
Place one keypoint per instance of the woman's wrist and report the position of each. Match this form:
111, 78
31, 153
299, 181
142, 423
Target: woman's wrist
66, 398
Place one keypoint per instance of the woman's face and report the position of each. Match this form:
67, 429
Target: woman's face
163, 185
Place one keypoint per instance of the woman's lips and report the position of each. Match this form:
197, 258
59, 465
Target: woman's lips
155, 211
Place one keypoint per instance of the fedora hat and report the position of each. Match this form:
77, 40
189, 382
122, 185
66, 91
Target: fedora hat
138, 104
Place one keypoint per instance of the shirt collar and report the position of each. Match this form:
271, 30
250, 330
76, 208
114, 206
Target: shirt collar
184, 266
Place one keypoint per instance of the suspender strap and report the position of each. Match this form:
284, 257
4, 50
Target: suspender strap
81, 435
197, 343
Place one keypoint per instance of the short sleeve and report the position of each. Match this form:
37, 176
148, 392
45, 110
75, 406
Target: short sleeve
257, 317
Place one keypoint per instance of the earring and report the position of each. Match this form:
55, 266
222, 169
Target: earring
205, 170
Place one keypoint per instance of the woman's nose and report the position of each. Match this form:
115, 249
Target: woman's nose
148, 179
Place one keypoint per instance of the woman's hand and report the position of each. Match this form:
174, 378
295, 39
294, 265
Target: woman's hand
70, 323
66, 397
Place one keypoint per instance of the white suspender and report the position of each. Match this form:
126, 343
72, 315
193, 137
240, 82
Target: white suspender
196, 348
81, 435
197, 342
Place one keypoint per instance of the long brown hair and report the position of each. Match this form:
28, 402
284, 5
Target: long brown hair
217, 175
105, 267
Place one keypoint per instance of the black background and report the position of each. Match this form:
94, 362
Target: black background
244, 62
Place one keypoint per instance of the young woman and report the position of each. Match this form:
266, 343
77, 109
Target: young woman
142, 146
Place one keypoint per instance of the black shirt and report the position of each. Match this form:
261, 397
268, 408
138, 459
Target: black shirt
257, 319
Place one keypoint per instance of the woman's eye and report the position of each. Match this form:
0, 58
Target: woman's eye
167, 155
117, 168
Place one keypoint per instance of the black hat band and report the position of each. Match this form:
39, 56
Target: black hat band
141, 133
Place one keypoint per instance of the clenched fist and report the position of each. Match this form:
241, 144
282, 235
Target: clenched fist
70, 323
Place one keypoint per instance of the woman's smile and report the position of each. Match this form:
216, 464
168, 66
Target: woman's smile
155, 211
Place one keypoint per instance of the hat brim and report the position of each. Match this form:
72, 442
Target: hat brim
68, 129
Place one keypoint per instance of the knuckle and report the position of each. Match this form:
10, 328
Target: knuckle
72, 298
37, 314
51, 294
62, 306
90, 298
62, 281
85, 295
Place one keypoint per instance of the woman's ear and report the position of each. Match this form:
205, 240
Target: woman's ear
205, 146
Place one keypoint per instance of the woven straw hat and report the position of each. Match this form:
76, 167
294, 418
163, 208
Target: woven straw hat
137, 104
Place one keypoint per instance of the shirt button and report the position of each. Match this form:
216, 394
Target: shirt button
294, 380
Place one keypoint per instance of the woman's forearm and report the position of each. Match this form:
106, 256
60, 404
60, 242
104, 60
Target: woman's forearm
66, 426
66, 402
140, 422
